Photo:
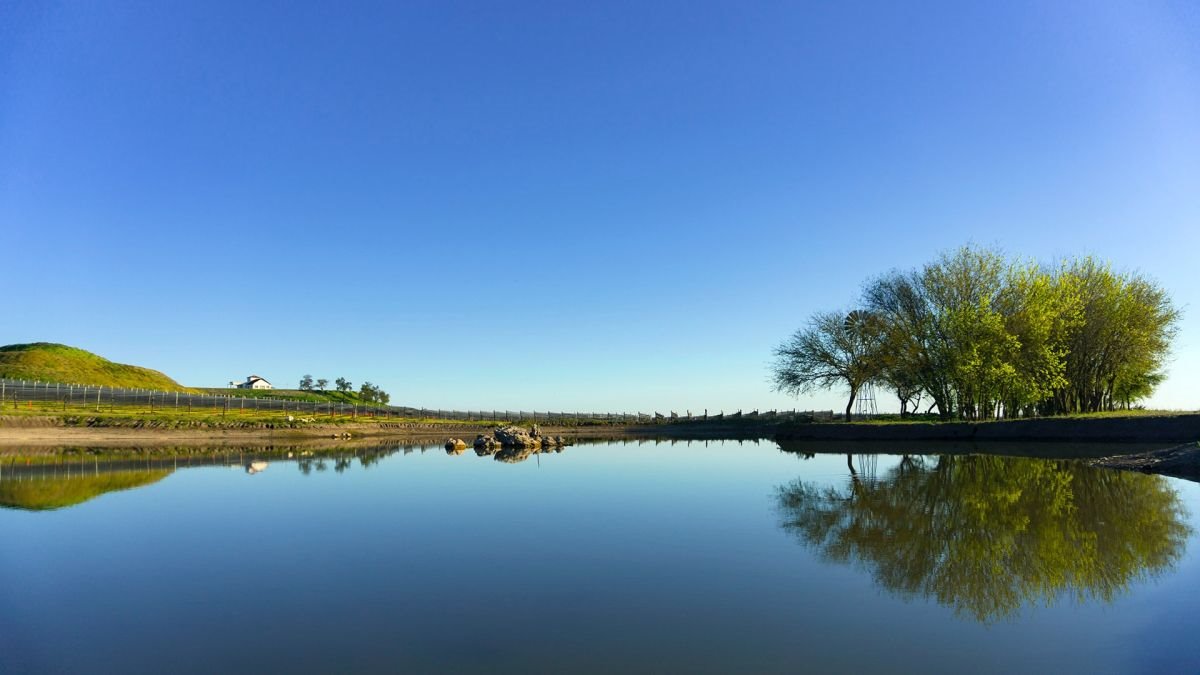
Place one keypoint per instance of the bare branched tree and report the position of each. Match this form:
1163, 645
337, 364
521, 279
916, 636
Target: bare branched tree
834, 350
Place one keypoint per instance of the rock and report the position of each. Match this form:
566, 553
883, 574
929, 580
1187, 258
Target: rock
485, 442
553, 441
535, 432
456, 444
516, 437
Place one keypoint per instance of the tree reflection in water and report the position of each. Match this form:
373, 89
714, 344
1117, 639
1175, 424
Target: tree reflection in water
987, 534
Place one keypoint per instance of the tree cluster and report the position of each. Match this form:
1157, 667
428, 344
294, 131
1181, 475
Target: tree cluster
981, 336
367, 391
373, 394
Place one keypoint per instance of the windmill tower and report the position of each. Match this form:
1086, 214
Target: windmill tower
858, 324
865, 403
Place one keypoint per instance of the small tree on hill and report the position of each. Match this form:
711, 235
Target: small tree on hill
306, 383
343, 384
373, 394
322, 383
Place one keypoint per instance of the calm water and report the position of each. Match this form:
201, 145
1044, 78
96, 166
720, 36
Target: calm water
717, 557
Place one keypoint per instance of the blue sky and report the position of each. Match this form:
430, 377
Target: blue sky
611, 206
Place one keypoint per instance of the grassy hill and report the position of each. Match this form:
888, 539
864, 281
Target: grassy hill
48, 362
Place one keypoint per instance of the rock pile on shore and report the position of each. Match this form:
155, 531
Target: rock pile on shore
515, 437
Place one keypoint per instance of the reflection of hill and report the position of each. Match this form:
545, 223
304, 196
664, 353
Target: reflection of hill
56, 493
986, 534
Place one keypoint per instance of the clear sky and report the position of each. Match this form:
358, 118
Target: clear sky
609, 206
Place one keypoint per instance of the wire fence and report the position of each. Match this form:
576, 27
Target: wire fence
29, 395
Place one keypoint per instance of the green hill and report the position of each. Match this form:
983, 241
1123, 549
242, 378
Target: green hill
48, 362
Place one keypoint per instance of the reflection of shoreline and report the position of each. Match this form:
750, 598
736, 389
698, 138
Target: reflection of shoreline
48, 467
988, 535
1038, 449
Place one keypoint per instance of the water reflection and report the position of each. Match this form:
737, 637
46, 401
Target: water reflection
59, 492
73, 476
987, 535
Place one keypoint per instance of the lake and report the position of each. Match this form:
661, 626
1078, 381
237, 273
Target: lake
708, 556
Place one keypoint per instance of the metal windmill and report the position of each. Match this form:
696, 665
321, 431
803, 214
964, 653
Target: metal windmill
857, 324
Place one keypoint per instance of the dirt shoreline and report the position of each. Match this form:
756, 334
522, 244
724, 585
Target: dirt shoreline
39, 432
1182, 461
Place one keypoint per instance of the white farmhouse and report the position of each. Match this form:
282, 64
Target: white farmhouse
254, 382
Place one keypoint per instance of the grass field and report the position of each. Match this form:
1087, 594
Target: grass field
238, 413
125, 415
347, 397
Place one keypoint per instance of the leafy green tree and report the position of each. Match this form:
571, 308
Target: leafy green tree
917, 351
1116, 352
1039, 308
343, 384
322, 383
306, 383
373, 394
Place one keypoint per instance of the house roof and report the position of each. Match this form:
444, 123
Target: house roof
254, 378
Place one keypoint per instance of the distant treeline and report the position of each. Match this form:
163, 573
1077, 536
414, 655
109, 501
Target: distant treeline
978, 335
